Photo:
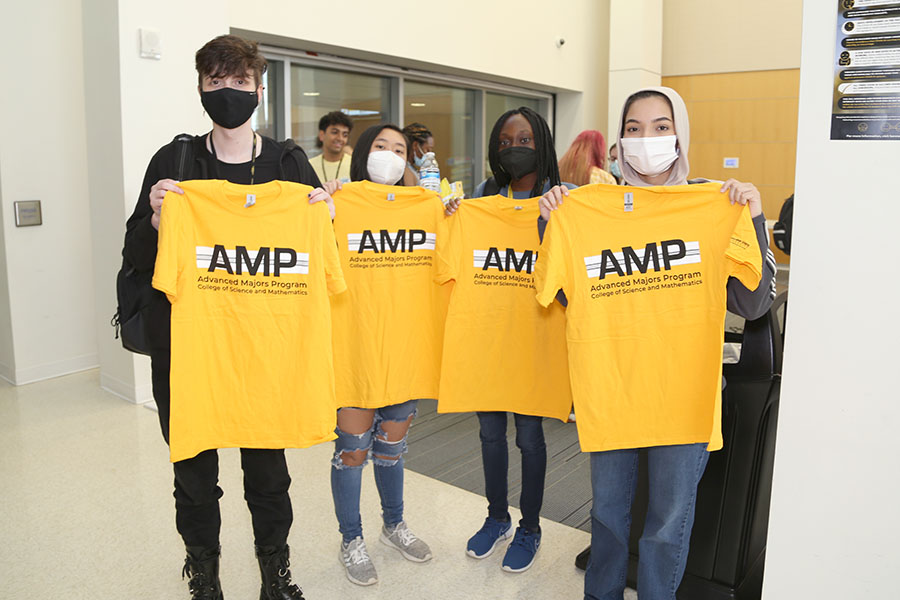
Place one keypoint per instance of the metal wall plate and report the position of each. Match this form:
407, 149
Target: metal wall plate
28, 213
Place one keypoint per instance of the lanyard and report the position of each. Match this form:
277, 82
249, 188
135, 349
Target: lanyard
336, 171
252, 157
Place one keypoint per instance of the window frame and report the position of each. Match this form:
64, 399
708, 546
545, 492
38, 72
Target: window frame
398, 77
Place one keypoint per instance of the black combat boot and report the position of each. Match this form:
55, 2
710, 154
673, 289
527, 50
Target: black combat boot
274, 565
202, 568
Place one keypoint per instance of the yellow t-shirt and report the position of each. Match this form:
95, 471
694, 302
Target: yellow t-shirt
251, 325
598, 175
388, 328
502, 350
645, 272
329, 171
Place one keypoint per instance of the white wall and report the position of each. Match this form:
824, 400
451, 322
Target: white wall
134, 106
7, 351
512, 41
703, 36
834, 521
635, 54
42, 157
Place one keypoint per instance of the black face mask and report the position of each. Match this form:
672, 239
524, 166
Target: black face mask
229, 107
518, 161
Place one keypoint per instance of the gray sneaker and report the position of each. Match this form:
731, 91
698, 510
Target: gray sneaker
400, 537
356, 561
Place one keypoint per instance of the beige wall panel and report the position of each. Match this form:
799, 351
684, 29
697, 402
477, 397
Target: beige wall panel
700, 36
682, 84
751, 116
701, 122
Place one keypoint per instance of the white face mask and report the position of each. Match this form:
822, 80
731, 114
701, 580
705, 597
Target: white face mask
385, 167
650, 155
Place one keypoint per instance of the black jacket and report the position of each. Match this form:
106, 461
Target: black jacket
141, 237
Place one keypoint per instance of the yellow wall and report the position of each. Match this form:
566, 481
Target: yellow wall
751, 116
703, 36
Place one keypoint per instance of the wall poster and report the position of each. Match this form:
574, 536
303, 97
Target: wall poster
866, 102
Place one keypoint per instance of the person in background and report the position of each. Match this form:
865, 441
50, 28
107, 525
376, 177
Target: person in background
334, 132
584, 161
420, 142
614, 169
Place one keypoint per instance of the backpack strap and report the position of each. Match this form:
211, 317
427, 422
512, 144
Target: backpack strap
185, 162
290, 148
490, 187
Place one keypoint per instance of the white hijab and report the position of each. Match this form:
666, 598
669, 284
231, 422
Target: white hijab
678, 174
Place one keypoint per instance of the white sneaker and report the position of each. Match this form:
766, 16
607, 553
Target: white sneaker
357, 563
402, 539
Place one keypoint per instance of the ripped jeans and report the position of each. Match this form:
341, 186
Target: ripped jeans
346, 480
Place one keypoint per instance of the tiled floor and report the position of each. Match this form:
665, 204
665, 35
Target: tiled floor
85, 487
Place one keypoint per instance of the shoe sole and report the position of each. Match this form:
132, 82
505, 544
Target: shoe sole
347, 573
509, 569
503, 536
410, 557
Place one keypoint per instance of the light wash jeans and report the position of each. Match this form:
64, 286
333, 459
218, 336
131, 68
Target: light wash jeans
346, 480
674, 472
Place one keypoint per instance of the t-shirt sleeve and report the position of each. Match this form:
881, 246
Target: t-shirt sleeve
168, 264
447, 251
334, 275
550, 270
744, 255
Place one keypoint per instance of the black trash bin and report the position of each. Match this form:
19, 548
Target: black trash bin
728, 542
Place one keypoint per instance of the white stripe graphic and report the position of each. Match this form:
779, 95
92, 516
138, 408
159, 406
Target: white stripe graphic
594, 263
205, 254
354, 241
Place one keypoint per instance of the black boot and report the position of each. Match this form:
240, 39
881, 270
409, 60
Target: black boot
582, 559
274, 566
202, 568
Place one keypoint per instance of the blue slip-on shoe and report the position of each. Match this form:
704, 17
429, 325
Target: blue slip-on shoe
482, 544
521, 551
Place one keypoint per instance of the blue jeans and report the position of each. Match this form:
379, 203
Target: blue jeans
674, 472
495, 457
346, 480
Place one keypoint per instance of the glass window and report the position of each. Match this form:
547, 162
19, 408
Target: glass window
267, 118
449, 113
365, 98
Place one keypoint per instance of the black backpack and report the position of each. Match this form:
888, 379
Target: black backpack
134, 291
781, 233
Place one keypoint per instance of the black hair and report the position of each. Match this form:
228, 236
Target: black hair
640, 96
415, 132
335, 117
359, 163
547, 167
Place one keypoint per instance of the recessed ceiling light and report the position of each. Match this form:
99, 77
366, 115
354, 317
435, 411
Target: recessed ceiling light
417, 104
310, 93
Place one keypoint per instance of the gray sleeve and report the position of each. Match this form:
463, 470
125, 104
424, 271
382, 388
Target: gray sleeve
479, 190
754, 304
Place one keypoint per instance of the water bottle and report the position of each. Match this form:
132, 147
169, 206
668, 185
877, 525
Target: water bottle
429, 173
